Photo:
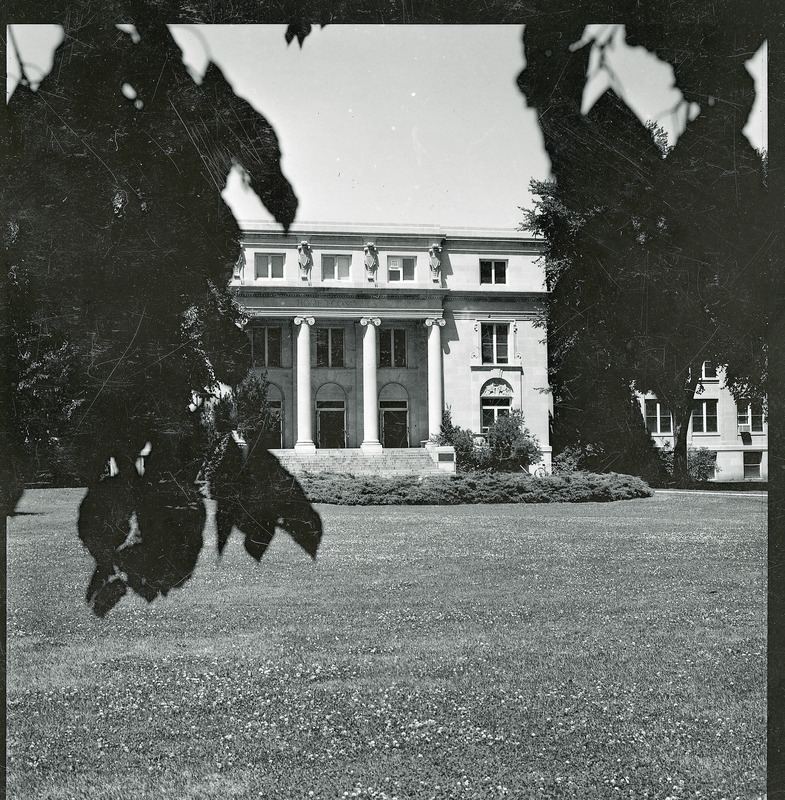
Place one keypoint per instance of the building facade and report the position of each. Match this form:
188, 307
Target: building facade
366, 335
736, 432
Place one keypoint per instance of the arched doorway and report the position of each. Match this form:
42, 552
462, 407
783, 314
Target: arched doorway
394, 416
330, 417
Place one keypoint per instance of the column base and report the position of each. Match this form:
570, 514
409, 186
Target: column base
305, 448
372, 448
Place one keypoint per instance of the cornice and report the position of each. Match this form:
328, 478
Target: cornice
355, 293
387, 238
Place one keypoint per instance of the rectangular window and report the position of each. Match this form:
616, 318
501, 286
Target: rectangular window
658, 418
266, 343
329, 347
392, 347
268, 265
492, 409
400, 268
336, 268
704, 416
494, 340
709, 370
750, 413
493, 272
752, 462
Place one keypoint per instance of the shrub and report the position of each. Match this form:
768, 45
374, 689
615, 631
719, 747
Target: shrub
701, 462
573, 459
509, 446
512, 446
471, 488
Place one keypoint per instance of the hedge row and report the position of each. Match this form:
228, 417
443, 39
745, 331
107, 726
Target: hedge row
579, 487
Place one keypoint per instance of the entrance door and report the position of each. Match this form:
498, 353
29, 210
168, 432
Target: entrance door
331, 424
395, 423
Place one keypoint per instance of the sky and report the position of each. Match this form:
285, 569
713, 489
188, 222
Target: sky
408, 125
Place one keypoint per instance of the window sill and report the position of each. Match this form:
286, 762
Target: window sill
488, 367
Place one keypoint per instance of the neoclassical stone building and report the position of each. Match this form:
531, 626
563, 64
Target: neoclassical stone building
367, 334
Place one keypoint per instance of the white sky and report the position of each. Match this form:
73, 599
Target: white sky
400, 124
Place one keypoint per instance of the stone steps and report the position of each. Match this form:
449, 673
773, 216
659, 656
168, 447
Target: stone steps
354, 461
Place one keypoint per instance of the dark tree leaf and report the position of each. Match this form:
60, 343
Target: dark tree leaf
299, 29
256, 495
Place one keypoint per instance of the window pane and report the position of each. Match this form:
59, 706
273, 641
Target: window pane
709, 370
486, 272
328, 268
274, 407
500, 272
399, 346
488, 418
486, 336
757, 416
752, 462
711, 416
501, 344
258, 347
277, 266
322, 347
651, 416
742, 412
273, 347
697, 417
393, 269
343, 267
260, 265
408, 269
385, 349
336, 347
665, 420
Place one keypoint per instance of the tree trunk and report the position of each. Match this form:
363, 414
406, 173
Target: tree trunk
681, 423
680, 401
682, 412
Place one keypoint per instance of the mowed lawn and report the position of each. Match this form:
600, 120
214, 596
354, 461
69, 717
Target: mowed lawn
612, 650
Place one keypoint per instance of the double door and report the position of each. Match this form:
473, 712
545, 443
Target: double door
394, 423
331, 424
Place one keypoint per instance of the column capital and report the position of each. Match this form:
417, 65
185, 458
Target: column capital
305, 320
375, 321
431, 321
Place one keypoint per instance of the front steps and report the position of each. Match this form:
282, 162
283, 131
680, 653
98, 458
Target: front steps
391, 462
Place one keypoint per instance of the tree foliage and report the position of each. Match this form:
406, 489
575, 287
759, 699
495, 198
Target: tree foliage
120, 249
655, 264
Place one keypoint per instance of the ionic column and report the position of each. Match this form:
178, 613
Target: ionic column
371, 443
304, 435
435, 393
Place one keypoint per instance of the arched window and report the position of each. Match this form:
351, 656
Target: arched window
495, 402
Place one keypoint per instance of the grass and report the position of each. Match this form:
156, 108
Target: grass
586, 651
